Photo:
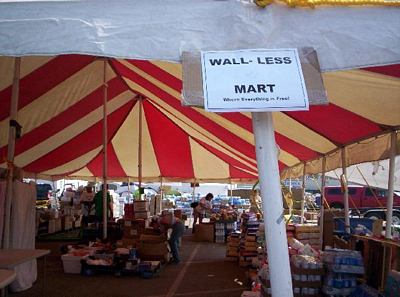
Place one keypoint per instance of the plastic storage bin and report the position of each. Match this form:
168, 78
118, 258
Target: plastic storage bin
71, 264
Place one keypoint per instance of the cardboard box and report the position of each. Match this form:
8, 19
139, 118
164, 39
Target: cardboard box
204, 232
142, 215
141, 206
153, 250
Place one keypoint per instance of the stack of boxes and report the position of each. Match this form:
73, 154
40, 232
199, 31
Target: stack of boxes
344, 267
139, 209
155, 204
222, 229
308, 234
136, 217
248, 242
232, 248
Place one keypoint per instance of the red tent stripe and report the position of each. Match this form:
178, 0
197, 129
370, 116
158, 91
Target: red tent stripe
171, 144
82, 143
254, 163
225, 135
223, 156
114, 168
239, 119
67, 117
43, 79
158, 73
237, 173
336, 124
300, 151
391, 70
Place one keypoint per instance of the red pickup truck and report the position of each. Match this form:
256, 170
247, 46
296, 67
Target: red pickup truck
362, 198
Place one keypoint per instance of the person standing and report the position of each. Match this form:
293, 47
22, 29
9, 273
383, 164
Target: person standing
87, 201
98, 203
201, 209
166, 222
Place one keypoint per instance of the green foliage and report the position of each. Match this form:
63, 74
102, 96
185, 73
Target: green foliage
173, 192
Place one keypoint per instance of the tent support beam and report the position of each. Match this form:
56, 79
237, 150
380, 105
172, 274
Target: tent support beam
275, 228
105, 136
304, 193
12, 132
322, 207
140, 143
389, 205
346, 191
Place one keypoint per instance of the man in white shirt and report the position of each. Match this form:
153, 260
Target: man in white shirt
200, 210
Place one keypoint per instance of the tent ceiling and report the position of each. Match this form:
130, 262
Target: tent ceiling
60, 110
160, 30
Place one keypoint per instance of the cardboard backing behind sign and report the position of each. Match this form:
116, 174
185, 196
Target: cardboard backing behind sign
192, 93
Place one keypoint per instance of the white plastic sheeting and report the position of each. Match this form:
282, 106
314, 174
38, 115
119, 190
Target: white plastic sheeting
23, 232
375, 173
344, 37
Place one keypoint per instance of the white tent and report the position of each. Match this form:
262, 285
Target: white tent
376, 174
344, 37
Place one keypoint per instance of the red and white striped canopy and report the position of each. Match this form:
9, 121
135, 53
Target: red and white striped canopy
61, 110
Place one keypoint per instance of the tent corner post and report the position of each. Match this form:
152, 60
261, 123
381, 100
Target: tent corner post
322, 206
392, 165
304, 193
105, 138
275, 227
11, 151
346, 191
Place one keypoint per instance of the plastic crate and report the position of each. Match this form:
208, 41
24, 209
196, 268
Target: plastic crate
71, 264
354, 222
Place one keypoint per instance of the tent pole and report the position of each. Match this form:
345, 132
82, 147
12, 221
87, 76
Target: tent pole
275, 229
194, 189
322, 207
11, 151
346, 191
389, 205
161, 189
140, 145
105, 132
304, 193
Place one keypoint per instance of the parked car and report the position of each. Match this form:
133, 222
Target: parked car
362, 198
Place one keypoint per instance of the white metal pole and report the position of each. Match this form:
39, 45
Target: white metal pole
346, 192
275, 229
322, 209
105, 132
389, 205
304, 193
10, 153
194, 189
140, 145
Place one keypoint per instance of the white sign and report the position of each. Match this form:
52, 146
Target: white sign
253, 80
